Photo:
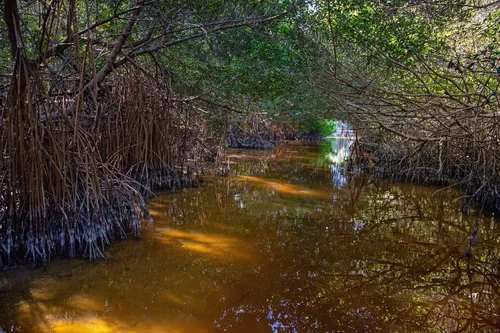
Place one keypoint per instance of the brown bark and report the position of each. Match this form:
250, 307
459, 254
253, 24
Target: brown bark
11, 19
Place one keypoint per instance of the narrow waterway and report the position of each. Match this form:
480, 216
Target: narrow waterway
287, 242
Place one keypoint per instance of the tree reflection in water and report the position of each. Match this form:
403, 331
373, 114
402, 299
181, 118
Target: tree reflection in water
286, 243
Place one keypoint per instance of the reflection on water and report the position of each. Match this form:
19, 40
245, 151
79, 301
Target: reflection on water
337, 152
288, 242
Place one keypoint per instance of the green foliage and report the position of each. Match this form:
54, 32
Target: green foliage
5, 54
283, 68
262, 69
323, 127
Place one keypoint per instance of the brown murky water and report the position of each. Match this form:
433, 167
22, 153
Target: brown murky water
286, 243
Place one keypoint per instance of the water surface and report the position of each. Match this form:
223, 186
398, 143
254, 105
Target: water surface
287, 242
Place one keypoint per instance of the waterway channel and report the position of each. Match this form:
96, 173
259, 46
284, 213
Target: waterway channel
288, 241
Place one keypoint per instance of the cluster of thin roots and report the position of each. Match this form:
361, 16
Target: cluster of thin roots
152, 136
469, 162
252, 132
71, 183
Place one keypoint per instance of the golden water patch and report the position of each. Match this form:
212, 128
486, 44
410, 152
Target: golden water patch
287, 188
85, 303
110, 325
214, 245
156, 213
86, 324
41, 294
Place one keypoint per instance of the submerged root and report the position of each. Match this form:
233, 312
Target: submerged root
471, 168
163, 178
84, 227
251, 143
